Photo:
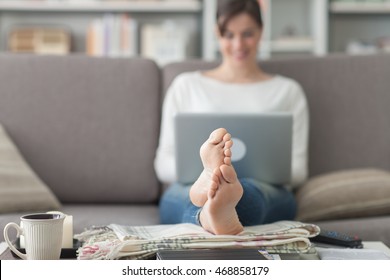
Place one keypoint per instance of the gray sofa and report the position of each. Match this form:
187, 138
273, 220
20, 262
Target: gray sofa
89, 128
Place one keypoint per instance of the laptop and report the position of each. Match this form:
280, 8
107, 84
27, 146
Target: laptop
262, 144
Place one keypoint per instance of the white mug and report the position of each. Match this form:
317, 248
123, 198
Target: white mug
42, 234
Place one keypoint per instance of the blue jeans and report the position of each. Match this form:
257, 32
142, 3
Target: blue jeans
261, 203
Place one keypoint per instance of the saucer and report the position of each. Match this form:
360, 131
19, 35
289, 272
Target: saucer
66, 253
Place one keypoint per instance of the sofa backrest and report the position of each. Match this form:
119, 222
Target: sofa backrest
87, 126
349, 102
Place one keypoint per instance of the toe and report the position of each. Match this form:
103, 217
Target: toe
217, 135
217, 175
227, 137
212, 190
228, 144
228, 173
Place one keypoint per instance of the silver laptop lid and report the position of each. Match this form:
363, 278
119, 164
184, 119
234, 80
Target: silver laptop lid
262, 144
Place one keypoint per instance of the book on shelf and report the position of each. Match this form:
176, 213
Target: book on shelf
112, 35
164, 43
39, 40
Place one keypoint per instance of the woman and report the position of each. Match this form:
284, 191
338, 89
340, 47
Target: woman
219, 201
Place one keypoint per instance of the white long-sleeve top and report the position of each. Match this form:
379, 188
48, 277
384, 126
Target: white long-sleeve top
195, 93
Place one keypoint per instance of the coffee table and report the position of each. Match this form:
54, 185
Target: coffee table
375, 245
370, 251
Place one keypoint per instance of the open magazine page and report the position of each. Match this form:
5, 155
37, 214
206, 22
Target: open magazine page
139, 242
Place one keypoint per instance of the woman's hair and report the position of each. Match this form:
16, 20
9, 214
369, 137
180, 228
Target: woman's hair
227, 9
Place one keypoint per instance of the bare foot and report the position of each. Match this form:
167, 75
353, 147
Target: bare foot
219, 214
214, 152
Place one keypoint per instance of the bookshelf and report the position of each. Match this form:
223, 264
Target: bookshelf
359, 27
76, 16
151, 6
303, 30
353, 7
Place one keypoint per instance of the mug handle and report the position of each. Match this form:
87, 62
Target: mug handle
11, 246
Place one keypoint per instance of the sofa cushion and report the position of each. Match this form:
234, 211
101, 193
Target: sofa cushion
88, 126
345, 194
20, 187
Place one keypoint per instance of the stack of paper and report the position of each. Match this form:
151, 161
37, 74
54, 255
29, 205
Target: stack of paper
140, 242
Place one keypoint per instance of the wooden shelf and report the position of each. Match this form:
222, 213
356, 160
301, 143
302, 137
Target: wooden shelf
292, 45
101, 6
360, 8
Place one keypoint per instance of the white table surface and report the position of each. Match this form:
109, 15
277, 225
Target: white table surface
376, 245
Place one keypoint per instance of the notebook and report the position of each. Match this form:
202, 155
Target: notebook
262, 144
